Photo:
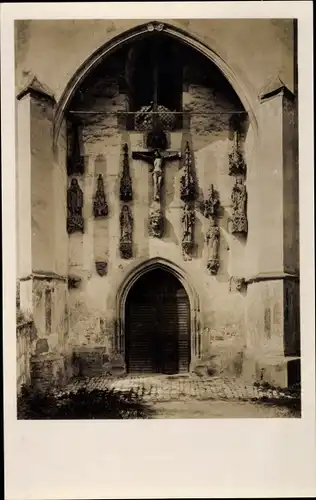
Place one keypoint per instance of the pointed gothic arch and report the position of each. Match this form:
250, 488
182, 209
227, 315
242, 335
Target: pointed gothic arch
186, 282
247, 99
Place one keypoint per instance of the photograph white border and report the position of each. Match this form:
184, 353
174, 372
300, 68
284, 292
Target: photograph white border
239, 458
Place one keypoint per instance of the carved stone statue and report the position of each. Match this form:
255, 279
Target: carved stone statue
187, 222
126, 192
126, 240
156, 220
237, 284
239, 201
157, 174
74, 205
187, 183
212, 203
100, 206
156, 159
212, 241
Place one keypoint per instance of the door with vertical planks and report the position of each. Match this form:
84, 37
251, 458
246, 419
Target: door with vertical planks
157, 319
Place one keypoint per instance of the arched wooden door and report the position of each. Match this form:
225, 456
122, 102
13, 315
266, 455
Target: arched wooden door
157, 325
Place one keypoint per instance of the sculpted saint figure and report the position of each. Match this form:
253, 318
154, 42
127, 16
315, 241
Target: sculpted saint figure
212, 241
187, 219
74, 205
100, 207
126, 224
239, 201
239, 197
75, 198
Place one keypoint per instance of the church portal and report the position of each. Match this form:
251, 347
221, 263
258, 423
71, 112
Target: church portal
157, 325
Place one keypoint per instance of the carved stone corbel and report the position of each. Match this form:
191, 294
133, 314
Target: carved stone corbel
101, 267
237, 284
74, 282
156, 220
126, 192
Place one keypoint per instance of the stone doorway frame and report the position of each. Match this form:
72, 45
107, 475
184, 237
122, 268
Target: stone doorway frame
194, 301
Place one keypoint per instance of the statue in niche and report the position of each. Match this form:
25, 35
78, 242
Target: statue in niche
212, 241
156, 220
100, 206
239, 201
74, 205
187, 184
187, 222
156, 159
126, 193
126, 240
212, 203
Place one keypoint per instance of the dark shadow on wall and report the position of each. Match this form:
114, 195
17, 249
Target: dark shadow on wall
222, 274
198, 239
169, 233
168, 191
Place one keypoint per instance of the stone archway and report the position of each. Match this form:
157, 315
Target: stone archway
195, 316
248, 100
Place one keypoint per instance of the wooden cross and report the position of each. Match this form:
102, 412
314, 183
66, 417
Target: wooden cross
156, 159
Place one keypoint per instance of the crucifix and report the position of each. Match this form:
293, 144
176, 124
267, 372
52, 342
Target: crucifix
156, 159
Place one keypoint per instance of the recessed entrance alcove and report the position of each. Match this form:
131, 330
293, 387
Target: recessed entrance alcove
157, 325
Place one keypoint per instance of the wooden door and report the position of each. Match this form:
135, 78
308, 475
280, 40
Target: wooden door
157, 325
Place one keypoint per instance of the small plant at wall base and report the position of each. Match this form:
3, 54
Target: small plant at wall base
83, 404
289, 397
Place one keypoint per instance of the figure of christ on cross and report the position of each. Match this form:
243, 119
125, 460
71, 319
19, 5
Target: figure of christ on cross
156, 159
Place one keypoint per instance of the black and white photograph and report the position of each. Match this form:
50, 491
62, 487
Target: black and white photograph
158, 230
157, 218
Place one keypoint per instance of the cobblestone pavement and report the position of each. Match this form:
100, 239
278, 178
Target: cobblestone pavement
160, 388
